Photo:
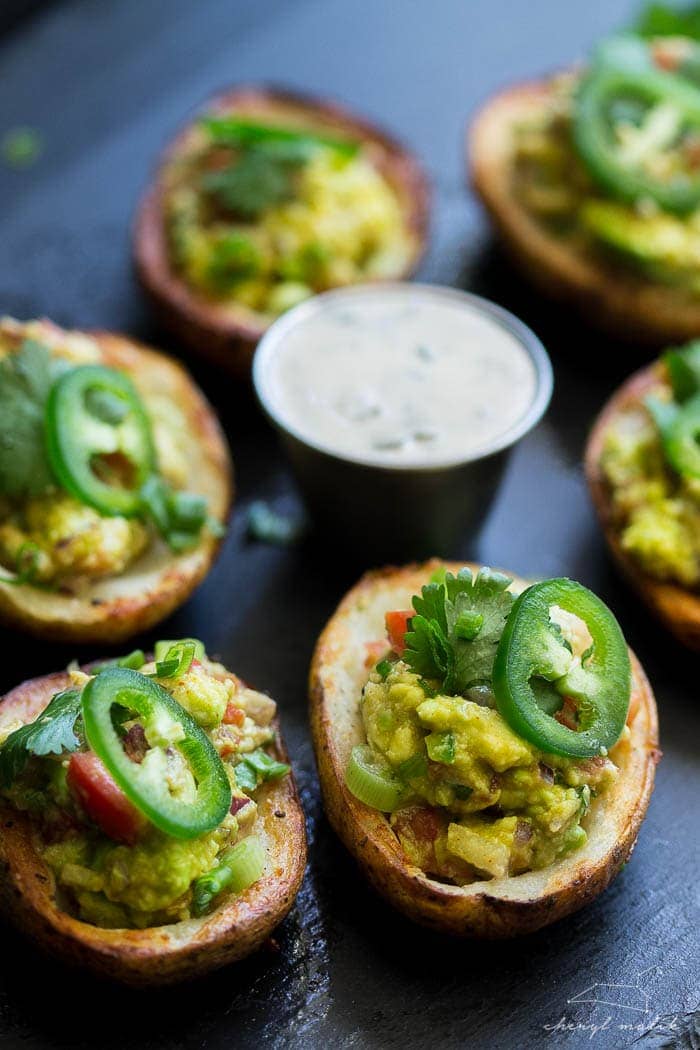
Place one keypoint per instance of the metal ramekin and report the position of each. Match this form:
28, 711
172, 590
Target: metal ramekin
393, 511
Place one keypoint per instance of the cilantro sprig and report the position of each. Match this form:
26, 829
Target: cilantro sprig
26, 377
457, 627
52, 733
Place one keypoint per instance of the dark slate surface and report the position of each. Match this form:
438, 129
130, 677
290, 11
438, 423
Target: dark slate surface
105, 83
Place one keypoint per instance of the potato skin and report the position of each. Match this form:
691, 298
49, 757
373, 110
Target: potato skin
156, 584
677, 608
163, 954
632, 309
498, 908
226, 334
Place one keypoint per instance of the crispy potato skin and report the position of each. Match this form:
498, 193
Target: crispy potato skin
633, 309
498, 908
227, 335
153, 587
677, 608
162, 954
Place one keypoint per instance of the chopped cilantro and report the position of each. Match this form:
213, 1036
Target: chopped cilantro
25, 380
53, 732
436, 646
259, 178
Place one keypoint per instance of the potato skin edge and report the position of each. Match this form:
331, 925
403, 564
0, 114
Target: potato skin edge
157, 955
366, 834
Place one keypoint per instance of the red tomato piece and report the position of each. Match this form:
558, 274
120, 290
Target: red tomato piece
396, 627
233, 716
103, 800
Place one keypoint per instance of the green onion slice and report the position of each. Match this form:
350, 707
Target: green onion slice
239, 868
371, 781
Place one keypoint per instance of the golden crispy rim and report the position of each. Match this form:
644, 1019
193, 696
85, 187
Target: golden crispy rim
158, 581
228, 334
161, 954
499, 907
676, 607
613, 298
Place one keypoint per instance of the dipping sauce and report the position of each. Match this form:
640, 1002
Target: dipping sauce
398, 375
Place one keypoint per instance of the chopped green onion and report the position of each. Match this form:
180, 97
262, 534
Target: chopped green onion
414, 768
383, 668
162, 647
26, 565
177, 660
441, 747
239, 868
257, 767
135, 660
246, 777
178, 516
371, 781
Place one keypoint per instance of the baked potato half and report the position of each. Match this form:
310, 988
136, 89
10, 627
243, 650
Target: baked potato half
224, 330
609, 295
113, 607
677, 607
162, 954
497, 908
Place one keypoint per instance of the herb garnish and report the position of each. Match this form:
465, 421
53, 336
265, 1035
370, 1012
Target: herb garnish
52, 732
458, 623
25, 380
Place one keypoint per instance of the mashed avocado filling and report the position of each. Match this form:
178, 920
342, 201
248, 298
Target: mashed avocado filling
483, 801
266, 226
555, 185
656, 509
150, 880
46, 533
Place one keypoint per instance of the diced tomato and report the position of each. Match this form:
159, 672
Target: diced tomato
396, 627
568, 715
103, 800
233, 716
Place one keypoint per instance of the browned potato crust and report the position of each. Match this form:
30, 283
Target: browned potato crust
613, 298
161, 954
676, 607
158, 581
500, 907
225, 333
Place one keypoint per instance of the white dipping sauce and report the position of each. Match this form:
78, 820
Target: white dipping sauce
398, 375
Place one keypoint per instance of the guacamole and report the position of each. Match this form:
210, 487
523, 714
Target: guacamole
267, 223
113, 866
656, 510
609, 190
483, 802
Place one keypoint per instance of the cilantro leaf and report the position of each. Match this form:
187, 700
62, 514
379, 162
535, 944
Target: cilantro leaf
260, 177
457, 628
25, 380
52, 733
